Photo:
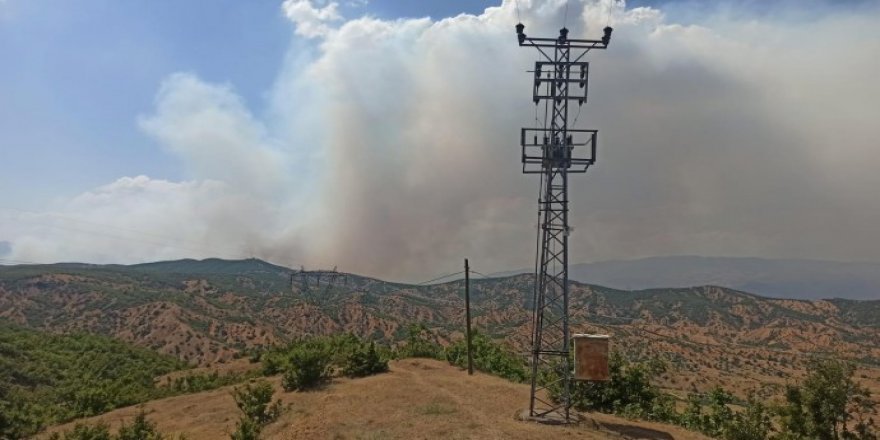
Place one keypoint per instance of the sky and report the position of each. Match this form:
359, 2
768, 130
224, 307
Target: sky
381, 136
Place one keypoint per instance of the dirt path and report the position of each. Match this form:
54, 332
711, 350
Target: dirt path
417, 399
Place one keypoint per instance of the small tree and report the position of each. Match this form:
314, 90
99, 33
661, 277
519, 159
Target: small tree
419, 344
309, 367
629, 392
489, 356
364, 361
246, 429
718, 420
826, 405
753, 423
140, 429
255, 402
19, 419
84, 432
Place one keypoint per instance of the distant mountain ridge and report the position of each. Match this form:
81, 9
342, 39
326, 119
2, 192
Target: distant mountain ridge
775, 278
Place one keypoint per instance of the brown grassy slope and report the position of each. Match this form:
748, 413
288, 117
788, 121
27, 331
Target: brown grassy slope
418, 399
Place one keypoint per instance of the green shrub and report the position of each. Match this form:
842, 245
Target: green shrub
309, 362
827, 405
140, 429
196, 382
272, 363
18, 419
308, 367
99, 431
246, 429
364, 360
629, 392
48, 379
419, 344
753, 423
489, 357
255, 402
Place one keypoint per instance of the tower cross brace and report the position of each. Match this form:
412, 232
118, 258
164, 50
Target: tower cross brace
555, 151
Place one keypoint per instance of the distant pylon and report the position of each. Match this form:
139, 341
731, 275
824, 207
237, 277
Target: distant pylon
554, 151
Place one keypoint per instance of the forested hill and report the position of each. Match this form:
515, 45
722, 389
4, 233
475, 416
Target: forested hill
47, 378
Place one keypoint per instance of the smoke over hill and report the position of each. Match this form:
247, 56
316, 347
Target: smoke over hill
389, 147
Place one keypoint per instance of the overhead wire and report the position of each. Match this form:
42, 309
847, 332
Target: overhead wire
611, 3
6, 260
565, 16
577, 116
405, 286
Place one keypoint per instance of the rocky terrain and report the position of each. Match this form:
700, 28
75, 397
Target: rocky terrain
207, 312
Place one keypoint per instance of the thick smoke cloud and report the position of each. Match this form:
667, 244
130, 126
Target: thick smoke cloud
391, 146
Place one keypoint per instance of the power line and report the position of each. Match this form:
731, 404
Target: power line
405, 286
565, 17
6, 260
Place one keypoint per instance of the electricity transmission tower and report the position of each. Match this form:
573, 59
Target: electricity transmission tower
555, 151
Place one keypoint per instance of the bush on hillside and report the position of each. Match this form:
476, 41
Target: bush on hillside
255, 402
99, 431
196, 382
140, 429
489, 357
714, 417
272, 363
829, 405
364, 360
47, 378
309, 367
307, 363
420, 344
18, 419
629, 392
753, 423
246, 429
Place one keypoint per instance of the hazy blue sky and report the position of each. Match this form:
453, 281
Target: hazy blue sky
104, 103
78, 73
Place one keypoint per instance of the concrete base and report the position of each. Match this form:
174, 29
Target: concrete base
552, 418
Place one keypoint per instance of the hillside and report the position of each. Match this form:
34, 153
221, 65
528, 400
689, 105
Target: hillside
419, 398
46, 378
207, 311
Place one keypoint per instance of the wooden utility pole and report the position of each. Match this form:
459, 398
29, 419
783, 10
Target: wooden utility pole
467, 307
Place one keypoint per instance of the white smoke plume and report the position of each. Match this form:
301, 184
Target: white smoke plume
391, 149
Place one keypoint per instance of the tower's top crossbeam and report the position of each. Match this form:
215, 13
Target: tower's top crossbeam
563, 40
555, 151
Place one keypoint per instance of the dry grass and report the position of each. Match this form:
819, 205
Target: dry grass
417, 399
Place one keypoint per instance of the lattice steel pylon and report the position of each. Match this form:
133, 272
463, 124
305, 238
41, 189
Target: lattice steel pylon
555, 151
